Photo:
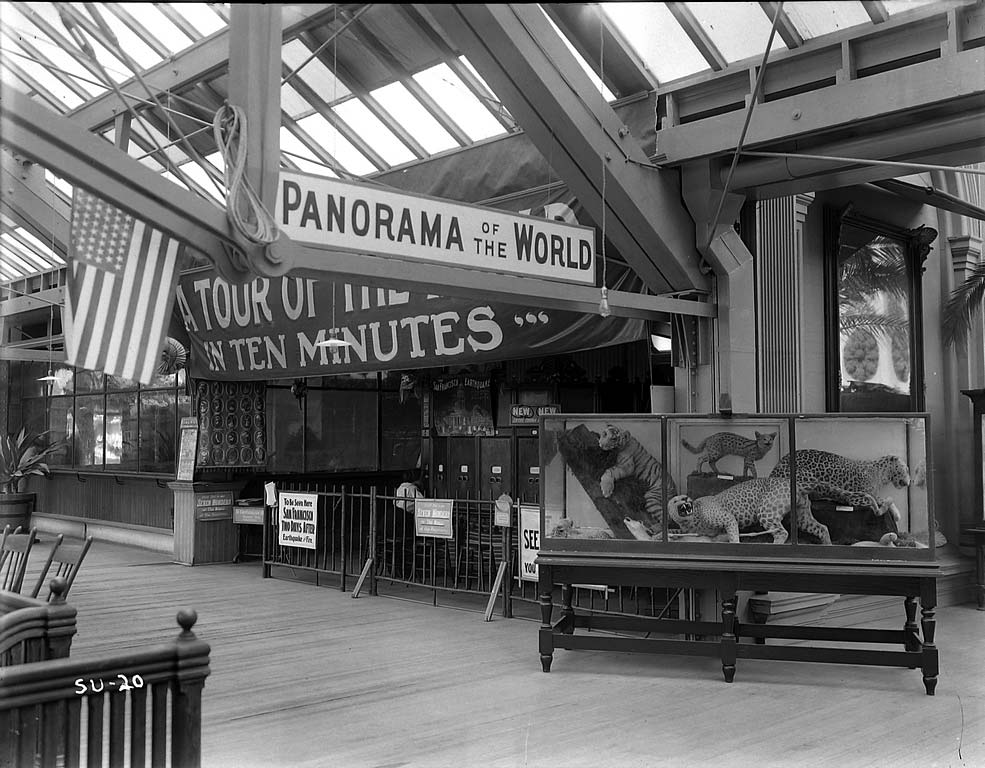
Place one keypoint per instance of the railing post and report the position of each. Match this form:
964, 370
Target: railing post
192, 662
61, 622
508, 580
374, 545
344, 536
267, 512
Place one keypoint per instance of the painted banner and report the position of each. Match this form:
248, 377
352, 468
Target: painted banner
373, 219
270, 328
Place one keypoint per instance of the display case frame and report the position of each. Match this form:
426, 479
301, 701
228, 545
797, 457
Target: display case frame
661, 429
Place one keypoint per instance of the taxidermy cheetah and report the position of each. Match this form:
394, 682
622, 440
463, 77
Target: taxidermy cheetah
763, 500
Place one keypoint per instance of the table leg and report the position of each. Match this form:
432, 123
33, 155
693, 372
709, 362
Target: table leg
728, 636
546, 635
930, 660
567, 612
911, 632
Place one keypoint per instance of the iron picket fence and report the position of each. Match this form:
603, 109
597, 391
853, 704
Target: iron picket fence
370, 534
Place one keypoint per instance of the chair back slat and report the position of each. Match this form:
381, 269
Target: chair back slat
47, 565
66, 562
14, 554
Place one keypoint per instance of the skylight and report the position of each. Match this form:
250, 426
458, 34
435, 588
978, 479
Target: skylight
420, 123
159, 25
738, 30
376, 134
596, 80
301, 156
337, 145
657, 39
200, 16
816, 19
455, 98
315, 74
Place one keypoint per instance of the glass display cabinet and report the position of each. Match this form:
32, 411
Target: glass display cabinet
824, 486
828, 503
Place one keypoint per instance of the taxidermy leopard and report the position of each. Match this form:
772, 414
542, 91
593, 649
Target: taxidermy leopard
633, 460
847, 481
763, 500
730, 444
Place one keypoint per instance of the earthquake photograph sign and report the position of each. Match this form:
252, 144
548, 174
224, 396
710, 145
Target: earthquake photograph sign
366, 219
297, 520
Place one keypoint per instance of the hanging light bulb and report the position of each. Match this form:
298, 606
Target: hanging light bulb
604, 303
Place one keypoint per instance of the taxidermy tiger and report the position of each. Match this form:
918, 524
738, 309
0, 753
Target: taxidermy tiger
764, 501
848, 481
730, 444
633, 460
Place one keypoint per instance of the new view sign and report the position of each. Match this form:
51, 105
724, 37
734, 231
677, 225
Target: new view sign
366, 219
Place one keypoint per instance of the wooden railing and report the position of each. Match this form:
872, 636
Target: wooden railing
53, 712
32, 629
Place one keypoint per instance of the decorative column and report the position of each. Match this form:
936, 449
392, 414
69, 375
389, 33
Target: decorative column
779, 275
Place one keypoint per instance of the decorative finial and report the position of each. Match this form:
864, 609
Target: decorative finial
186, 620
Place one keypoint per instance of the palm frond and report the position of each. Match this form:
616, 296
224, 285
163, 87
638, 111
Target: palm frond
878, 324
962, 305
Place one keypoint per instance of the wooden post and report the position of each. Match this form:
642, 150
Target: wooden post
186, 696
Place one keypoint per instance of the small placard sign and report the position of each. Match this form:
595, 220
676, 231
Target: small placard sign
297, 523
433, 517
187, 447
530, 414
214, 505
252, 515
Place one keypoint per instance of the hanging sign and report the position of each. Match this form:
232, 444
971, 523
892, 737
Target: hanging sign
433, 517
370, 219
272, 328
297, 520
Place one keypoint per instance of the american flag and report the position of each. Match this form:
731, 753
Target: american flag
121, 285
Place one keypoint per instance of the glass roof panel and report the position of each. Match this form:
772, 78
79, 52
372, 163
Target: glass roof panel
136, 48
813, 19
17, 26
299, 154
657, 39
196, 173
293, 103
42, 248
27, 254
592, 75
114, 67
158, 25
314, 74
42, 76
738, 30
420, 123
455, 98
494, 102
200, 16
146, 131
901, 6
376, 134
59, 183
337, 145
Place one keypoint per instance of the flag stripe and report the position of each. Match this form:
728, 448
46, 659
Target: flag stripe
119, 336
162, 304
141, 306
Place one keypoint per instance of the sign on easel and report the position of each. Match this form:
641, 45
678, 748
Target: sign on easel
187, 448
433, 517
529, 541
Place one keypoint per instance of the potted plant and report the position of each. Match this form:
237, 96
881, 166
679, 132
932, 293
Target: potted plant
20, 456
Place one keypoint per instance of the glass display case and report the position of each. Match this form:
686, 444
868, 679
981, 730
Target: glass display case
852, 486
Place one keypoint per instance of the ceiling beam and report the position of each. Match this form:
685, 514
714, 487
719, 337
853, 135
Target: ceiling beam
846, 105
876, 10
88, 161
516, 50
33, 204
202, 61
693, 29
17, 305
784, 26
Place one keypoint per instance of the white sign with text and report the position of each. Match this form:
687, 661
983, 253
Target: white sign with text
297, 520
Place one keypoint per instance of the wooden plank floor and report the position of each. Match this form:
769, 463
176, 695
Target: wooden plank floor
306, 676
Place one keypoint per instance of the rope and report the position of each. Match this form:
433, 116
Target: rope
604, 309
243, 206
